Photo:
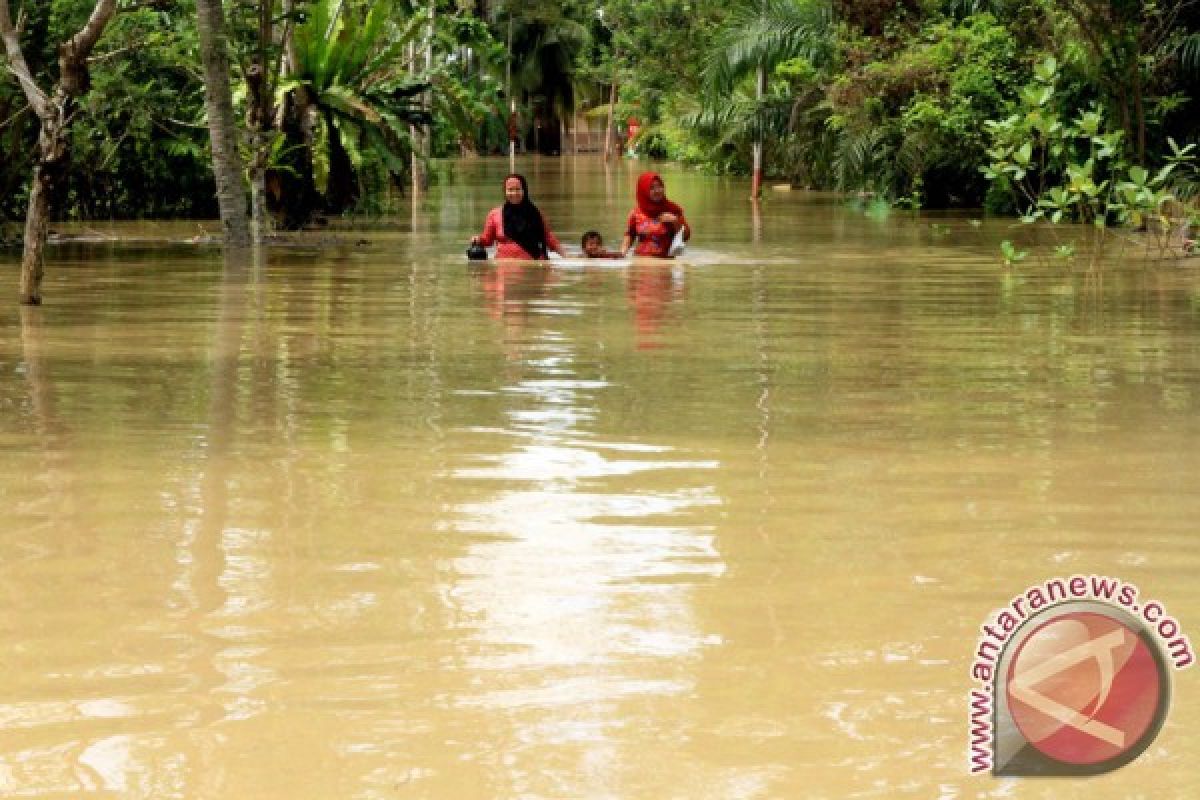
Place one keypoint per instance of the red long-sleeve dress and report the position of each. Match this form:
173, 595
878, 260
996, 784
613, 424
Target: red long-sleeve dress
493, 234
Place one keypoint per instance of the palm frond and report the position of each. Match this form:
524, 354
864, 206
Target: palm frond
392, 58
368, 37
861, 155
764, 33
1189, 53
393, 152
347, 103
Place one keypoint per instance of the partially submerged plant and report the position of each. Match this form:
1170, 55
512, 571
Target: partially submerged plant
1011, 254
1076, 171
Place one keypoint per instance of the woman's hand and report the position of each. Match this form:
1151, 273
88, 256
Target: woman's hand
474, 240
667, 218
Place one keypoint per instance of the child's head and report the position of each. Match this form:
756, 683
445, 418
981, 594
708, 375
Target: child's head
593, 243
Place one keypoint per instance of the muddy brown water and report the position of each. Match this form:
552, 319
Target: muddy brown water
355, 520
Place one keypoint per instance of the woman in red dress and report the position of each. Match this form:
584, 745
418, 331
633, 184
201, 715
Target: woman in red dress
655, 221
518, 228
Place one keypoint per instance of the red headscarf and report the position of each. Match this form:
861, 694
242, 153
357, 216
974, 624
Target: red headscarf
648, 206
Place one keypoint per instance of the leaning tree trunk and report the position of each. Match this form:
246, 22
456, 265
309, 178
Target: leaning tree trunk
48, 175
222, 124
54, 114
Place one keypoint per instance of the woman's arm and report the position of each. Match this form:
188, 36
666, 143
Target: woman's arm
677, 221
491, 230
552, 242
630, 234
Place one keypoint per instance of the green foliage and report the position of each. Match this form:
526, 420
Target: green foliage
556, 62
763, 34
784, 39
355, 66
1011, 255
141, 131
909, 119
1065, 169
884, 97
659, 47
136, 130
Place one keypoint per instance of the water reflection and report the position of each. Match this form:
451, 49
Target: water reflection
578, 576
654, 289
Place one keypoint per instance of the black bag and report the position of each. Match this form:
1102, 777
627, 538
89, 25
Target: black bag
476, 252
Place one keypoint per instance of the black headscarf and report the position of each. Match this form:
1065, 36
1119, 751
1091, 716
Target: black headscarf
523, 222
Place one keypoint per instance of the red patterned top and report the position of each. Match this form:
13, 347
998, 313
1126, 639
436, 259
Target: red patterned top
653, 238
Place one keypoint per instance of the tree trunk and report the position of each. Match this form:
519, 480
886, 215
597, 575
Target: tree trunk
222, 125
259, 120
54, 113
414, 131
296, 193
423, 135
48, 175
756, 181
341, 185
260, 215
612, 107
512, 100
1139, 110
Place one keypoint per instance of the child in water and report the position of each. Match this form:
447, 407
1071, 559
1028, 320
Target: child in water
593, 246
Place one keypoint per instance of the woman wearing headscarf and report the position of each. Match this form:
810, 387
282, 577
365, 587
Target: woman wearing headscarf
518, 228
655, 221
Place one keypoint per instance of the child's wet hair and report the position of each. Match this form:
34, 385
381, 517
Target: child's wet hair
588, 236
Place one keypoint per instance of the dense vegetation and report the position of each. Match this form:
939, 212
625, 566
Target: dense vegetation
1033, 107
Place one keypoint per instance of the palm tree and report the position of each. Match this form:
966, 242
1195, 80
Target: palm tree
353, 72
362, 91
544, 43
222, 124
759, 35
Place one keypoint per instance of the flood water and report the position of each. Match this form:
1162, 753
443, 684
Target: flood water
356, 520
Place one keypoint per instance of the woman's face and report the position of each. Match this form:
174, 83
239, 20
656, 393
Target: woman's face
657, 191
513, 193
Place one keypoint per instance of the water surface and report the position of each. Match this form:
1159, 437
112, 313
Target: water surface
353, 519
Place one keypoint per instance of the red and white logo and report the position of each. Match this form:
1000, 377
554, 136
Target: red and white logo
1085, 689
1072, 677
